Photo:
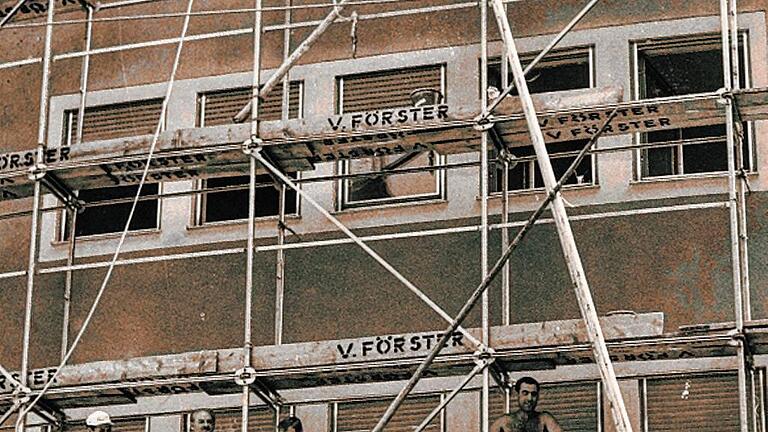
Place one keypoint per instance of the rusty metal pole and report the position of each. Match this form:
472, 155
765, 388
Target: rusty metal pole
567, 241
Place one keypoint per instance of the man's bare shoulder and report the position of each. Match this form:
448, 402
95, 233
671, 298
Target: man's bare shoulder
548, 420
509, 422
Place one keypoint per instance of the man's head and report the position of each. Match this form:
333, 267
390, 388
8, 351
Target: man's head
99, 421
290, 424
203, 420
527, 390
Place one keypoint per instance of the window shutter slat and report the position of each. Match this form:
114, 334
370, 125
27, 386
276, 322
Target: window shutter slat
118, 120
222, 105
700, 404
259, 420
388, 89
363, 415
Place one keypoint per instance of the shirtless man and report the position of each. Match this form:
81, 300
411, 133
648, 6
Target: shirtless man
526, 418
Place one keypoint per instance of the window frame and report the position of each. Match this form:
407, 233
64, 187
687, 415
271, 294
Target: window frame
673, 44
200, 200
560, 55
62, 219
343, 201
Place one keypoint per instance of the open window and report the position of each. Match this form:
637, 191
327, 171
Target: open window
109, 122
373, 91
228, 200
559, 71
673, 67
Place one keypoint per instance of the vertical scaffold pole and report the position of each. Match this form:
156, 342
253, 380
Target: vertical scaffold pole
485, 336
280, 263
505, 274
34, 241
740, 185
567, 241
72, 216
728, 77
248, 344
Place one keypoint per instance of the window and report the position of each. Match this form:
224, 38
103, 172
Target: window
260, 419
702, 403
110, 122
218, 108
680, 67
363, 415
559, 71
575, 406
389, 89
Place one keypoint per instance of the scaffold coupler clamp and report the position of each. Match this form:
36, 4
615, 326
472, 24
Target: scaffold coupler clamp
245, 376
252, 145
485, 355
737, 336
484, 122
37, 171
724, 97
22, 394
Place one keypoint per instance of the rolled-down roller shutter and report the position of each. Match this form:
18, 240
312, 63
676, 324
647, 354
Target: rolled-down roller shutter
259, 420
218, 107
362, 416
115, 120
386, 89
138, 424
692, 403
575, 406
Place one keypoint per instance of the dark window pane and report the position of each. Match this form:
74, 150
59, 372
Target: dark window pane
111, 218
701, 158
233, 205
660, 161
558, 72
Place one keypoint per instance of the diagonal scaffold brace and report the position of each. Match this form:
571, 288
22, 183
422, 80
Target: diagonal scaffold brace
565, 234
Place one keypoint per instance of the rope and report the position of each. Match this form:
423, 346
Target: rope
107, 277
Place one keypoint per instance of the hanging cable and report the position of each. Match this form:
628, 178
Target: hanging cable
111, 267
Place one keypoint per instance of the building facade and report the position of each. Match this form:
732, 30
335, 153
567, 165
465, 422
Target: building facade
651, 221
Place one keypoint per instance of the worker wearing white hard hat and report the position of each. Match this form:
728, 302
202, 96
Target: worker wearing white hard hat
99, 421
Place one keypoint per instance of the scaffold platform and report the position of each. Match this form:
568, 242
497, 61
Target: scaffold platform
299, 144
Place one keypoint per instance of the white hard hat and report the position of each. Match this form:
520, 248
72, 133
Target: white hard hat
98, 418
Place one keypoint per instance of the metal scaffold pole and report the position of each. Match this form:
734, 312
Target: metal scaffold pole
567, 241
485, 332
281, 191
730, 75
36, 173
250, 250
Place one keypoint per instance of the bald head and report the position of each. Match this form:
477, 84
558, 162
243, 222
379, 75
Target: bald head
202, 420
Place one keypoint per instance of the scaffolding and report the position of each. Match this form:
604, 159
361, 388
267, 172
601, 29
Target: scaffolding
275, 148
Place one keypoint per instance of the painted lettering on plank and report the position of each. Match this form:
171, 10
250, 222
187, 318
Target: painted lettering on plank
360, 152
581, 125
36, 378
162, 168
638, 356
387, 346
25, 159
160, 390
387, 117
32, 9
